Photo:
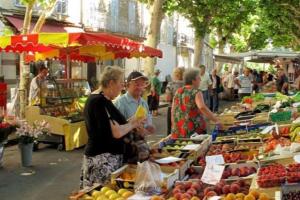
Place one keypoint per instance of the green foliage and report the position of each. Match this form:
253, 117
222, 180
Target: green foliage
233, 14
276, 22
245, 24
42, 3
6, 31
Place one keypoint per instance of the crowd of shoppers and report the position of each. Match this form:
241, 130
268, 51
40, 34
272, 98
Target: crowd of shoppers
116, 135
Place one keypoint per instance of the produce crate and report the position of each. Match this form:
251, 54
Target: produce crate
170, 175
283, 116
195, 172
182, 168
261, 118
80, 194
288, 190
239, 166
269, 191
204, 147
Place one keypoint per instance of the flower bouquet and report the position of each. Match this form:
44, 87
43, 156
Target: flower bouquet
29, 133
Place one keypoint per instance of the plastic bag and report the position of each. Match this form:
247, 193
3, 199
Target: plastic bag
148, 178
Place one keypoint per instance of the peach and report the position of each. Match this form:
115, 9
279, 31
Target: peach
235, 172
226, 189
187, 185
196, 186
192, 191
211, 194
186, 195
208, 189
218, 189
178, 195
234, 188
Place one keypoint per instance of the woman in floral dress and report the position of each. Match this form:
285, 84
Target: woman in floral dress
189, 109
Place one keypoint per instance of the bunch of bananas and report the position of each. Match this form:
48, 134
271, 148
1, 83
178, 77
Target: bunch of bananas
295, 132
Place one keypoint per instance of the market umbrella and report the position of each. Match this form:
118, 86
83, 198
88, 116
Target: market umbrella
86, 47
101, 46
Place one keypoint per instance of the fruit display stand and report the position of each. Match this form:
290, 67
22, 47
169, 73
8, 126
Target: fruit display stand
73, 134
61, 104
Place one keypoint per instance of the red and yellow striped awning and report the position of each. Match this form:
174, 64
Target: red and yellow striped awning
85, 47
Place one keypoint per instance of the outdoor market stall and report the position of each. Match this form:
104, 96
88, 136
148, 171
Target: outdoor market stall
248, 160
61, 103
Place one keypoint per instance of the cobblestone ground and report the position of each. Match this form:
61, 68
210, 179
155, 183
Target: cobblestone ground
54, 174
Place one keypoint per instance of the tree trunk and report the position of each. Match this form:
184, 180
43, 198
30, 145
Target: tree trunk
221, 46
157, 16
46, 12
198, 50
22, 76
27, 17
221, 42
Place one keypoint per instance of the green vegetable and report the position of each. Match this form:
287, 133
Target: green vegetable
258, 97
296, 97
281, 97
294, 126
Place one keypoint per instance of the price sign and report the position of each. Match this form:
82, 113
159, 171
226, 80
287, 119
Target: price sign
215, 159
212, 173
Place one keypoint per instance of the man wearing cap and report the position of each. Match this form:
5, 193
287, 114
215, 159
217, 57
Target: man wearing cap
129, 102
153, 99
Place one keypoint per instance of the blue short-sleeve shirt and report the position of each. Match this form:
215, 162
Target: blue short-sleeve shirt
127, 105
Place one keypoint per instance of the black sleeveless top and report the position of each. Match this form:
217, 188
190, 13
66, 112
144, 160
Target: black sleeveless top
100, 138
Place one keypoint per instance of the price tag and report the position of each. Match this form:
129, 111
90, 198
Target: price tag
215, 198
191, 147
268, 129
297, 158
167, 160
212, 174
216, 159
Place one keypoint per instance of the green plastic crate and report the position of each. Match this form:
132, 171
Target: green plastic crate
281, 116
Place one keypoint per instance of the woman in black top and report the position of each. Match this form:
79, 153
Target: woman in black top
106, 128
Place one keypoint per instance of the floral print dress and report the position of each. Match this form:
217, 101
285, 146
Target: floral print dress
187, 116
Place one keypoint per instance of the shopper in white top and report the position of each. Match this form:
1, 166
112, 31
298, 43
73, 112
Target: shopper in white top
205, 85
244, 82
36, 84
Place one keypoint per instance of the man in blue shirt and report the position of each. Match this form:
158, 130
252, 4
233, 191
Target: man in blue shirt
129, 102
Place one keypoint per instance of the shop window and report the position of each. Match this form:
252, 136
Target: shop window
61, 7
132, 17
114, 10
19, 3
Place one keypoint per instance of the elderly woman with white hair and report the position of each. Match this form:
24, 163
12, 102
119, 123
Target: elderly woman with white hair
107, 129
189, 109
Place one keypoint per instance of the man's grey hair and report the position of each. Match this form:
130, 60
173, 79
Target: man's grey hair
190, 75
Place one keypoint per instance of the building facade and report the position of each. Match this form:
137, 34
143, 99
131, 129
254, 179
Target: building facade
127, 18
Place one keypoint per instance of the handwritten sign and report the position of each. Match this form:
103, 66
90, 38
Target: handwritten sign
215, 159
212, 173
191, 147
